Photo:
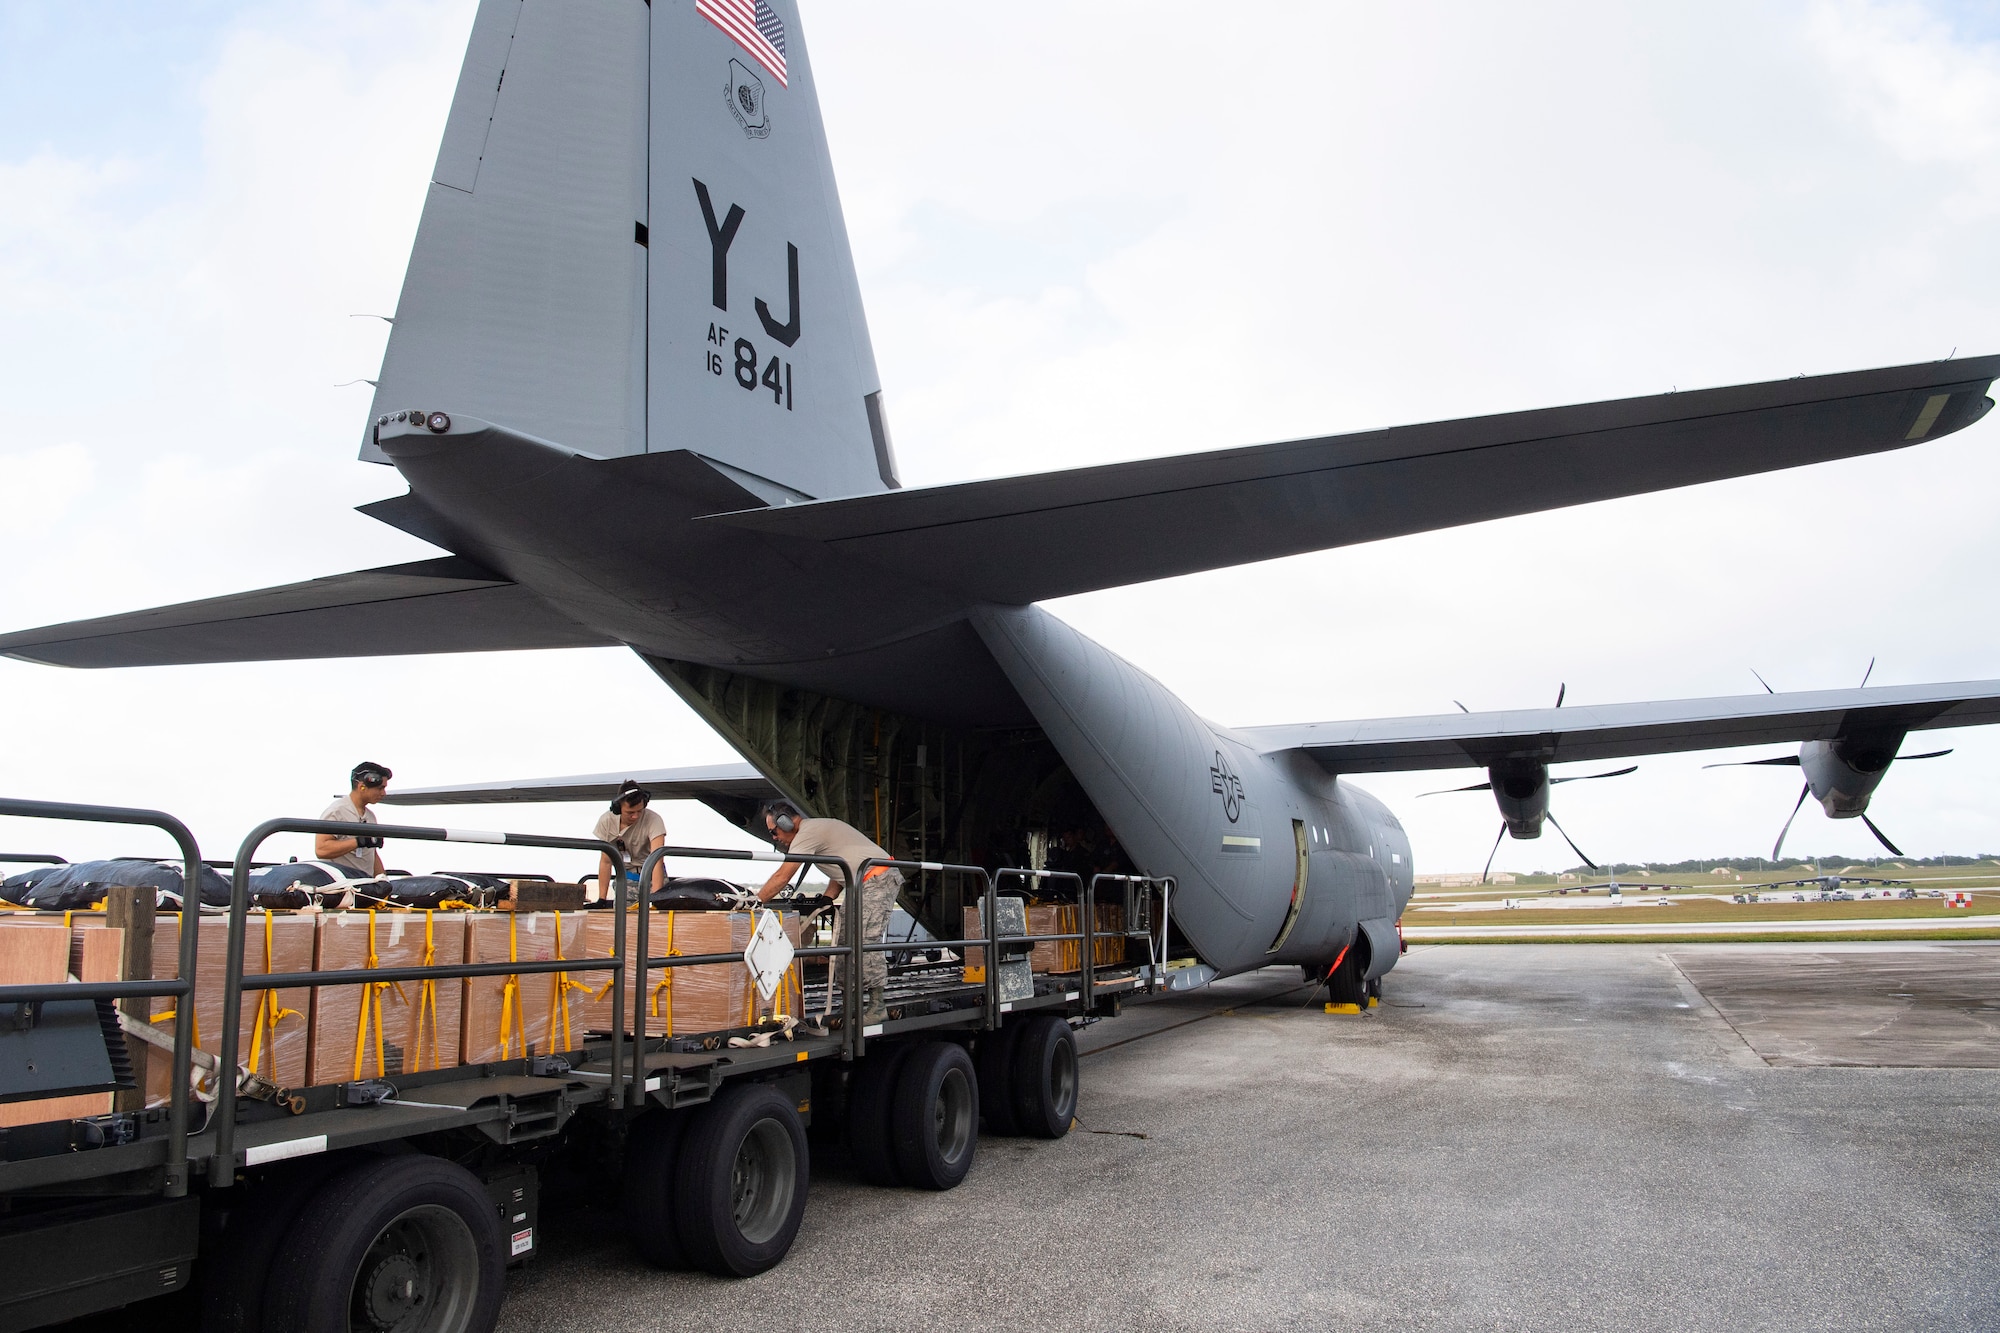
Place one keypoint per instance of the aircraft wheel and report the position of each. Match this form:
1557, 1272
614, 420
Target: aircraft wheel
744, 1175
1045, 1077
650, 1179
995, 1059
935, 1120
410, 1243
871, 1100
1345, 984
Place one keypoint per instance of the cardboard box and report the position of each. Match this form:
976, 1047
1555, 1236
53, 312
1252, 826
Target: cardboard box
275, 1026
36, 952
379, 1030
710, 997
533, 1013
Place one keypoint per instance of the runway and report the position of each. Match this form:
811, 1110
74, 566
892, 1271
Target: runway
1522, 1137
1651, 926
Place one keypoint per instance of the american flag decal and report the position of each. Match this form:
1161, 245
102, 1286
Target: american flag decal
752, 25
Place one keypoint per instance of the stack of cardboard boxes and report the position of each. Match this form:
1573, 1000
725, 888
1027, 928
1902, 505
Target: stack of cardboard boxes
333, 1034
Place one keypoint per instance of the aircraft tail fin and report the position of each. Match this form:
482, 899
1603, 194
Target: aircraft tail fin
632, 242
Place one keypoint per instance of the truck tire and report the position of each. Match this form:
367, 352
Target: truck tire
871, 1098
743, 1181
1045, 1077
235, 1261
410, 1242
935, 1120
649, 1182
995, 1059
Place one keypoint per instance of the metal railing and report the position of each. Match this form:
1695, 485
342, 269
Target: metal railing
647, 962
991, 943
222, 1169
181, 987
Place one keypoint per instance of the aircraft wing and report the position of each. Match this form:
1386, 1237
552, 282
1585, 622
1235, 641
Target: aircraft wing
447, 605
1016, 540
736, 782
1617, 731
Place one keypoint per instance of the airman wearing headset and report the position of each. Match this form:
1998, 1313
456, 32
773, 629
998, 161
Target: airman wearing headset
636, 829
793, 832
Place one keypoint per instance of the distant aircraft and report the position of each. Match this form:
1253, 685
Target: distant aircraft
1843, 770
1826, 886
630, 386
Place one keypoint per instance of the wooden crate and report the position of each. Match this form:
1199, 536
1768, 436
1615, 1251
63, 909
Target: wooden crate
533, 1013
712, 997
37, 952
275, 1025
379, 1030
1054, 955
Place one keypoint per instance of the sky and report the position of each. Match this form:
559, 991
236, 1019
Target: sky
1084, 235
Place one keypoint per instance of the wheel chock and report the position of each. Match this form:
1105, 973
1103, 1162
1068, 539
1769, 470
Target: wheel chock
1373, 1001
1343, 1009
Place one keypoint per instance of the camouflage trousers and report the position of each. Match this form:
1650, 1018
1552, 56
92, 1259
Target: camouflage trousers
878, 900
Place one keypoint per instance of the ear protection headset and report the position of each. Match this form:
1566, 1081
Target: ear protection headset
631, 791
783, 818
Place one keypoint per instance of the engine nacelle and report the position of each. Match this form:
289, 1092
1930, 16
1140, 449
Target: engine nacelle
1521, 790
1845, 772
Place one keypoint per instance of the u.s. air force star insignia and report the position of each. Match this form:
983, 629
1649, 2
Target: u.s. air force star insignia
746, 101
1223, 781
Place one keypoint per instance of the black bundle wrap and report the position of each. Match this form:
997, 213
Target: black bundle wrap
72, 888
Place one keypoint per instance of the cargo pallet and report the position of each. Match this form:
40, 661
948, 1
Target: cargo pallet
397, 1202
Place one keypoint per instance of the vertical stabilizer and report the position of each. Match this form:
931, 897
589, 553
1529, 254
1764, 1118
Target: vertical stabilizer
759, 354
524, 301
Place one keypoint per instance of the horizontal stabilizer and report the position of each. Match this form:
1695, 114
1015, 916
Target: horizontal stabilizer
1016, 540
1617, 731
447, 605
712, 781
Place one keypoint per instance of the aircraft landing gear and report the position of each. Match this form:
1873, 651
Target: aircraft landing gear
1348, 989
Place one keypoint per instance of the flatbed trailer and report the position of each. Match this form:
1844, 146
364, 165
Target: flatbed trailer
397, 1202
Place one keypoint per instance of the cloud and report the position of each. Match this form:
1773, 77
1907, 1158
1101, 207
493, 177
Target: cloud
1084, 234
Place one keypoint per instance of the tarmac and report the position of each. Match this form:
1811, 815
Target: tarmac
1575, 1136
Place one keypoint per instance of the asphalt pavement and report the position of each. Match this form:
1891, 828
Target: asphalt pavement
1521, 1137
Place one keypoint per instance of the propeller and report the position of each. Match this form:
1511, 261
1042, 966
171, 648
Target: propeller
1893, 849
1804, 792
1487, 869
1592, 777
1446, 791
1782, 761
1571, 841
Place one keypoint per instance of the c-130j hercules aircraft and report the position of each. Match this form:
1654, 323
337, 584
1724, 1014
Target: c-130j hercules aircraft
630, 387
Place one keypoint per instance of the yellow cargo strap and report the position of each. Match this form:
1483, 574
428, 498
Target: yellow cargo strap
269, 1012
371, 1007
666, 981
565, 982
427, 1004
510, 994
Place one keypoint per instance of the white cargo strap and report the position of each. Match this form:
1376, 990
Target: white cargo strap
249, 1083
